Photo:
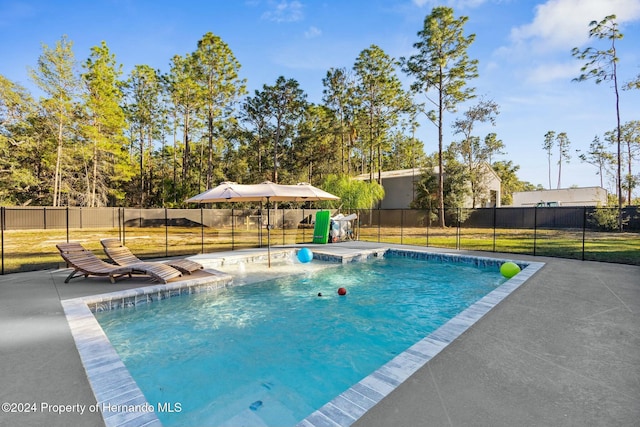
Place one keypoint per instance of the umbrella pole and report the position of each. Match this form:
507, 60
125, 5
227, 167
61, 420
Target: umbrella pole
268, 234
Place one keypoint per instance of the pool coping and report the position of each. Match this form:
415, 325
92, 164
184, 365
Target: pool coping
122, 403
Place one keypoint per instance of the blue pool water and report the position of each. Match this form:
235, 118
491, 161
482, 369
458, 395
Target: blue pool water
270, 353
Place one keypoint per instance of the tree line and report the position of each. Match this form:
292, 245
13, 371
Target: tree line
153, 138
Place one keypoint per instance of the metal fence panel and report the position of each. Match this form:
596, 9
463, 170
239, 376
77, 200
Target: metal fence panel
29, 234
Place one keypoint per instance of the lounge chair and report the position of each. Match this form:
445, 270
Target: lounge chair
85, 263
121, 255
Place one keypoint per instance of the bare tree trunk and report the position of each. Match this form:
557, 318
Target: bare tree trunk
57, 175
92, 202
210, 159
141, 136
440, 163
619, 137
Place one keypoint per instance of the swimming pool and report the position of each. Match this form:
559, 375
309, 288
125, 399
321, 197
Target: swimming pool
122, 403
271, 353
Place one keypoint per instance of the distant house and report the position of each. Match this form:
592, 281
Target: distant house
583, 196
399, 188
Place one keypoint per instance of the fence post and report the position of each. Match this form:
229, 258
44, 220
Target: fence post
233, 228
121, 225
67, 219
458, 228
166, 232
201, 230
428, 224
378, 223
495, 215
2, 236
401, 225
584, 228
44, 217
535, 228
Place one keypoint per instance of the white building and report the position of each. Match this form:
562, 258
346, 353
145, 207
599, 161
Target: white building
584, 196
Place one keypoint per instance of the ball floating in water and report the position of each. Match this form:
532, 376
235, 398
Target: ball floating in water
509, 269
305, 255
342, 291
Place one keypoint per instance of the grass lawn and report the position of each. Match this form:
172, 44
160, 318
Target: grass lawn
598, 246
26, 250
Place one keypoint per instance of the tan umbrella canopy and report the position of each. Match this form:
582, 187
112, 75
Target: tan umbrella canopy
266, 191
226, 192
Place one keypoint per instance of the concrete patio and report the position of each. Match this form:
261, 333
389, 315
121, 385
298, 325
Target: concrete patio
562, 350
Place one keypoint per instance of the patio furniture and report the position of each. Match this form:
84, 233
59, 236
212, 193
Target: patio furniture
121, 255
86, 263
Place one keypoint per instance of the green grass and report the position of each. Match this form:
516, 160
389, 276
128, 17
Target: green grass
28, 250
599, 246
35, 249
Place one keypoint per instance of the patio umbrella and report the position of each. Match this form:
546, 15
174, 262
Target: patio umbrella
225, 192
265, 191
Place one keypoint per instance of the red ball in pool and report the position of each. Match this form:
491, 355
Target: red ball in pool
342, 291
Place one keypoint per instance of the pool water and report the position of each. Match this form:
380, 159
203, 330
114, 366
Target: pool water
270, 353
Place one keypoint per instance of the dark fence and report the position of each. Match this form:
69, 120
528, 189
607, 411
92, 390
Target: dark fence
29, 235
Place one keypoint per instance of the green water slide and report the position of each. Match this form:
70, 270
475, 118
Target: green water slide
321, 229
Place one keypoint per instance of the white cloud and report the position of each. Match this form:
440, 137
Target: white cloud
546, 73
541, 47
284, 11
312, 32
564, 24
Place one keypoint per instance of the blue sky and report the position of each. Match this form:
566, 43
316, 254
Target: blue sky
523, 48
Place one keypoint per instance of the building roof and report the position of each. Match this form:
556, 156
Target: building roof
393, 174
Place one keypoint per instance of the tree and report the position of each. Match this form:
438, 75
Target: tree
597, 156
216, 73
442, 66
338, 95
55, 75
509, 181
406, 152
602, 66
562, 141
493, 146
549, 142
19, 125
630, 138
144, 90
354, 193
426, 189
106, 161
255, 112
473, 153
285, 106
184, 96
316, 155
380, 99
